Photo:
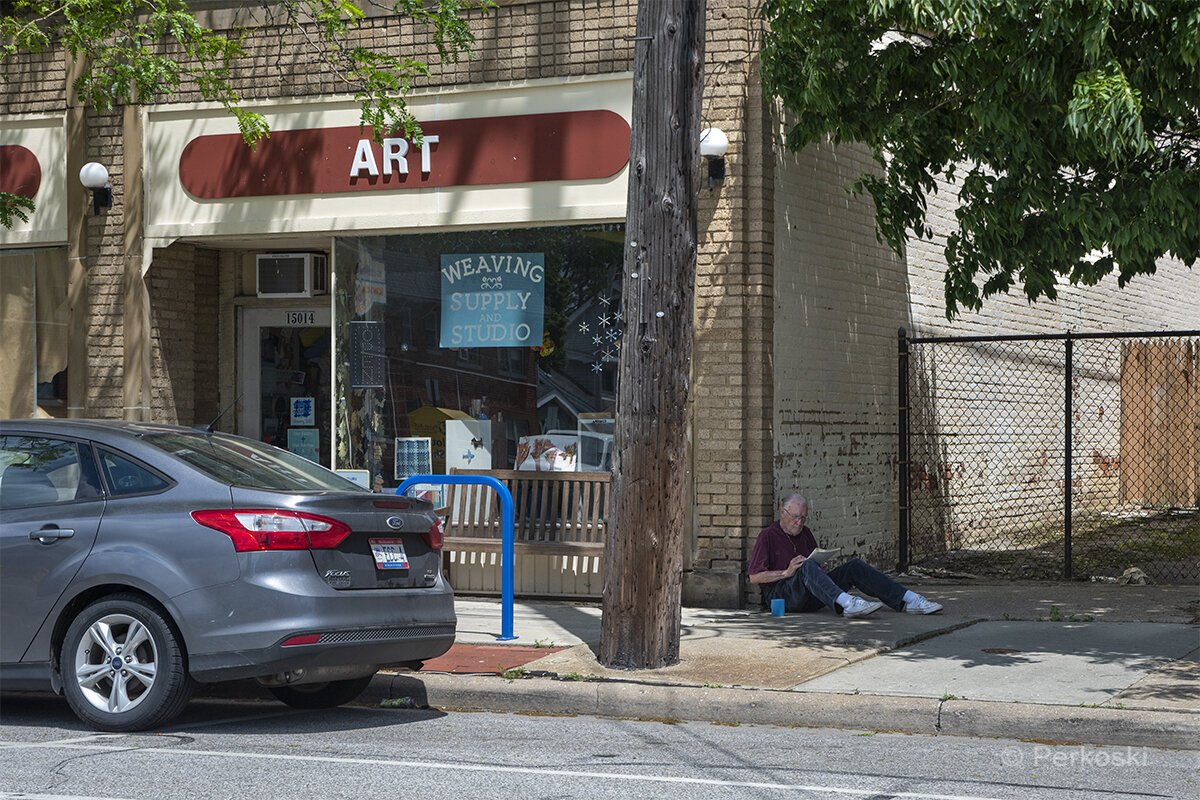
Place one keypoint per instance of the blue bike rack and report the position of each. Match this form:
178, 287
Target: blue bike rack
506, 536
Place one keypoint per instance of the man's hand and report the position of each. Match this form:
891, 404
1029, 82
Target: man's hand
794, 565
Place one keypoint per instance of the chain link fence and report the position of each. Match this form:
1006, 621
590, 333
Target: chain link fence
1068, 455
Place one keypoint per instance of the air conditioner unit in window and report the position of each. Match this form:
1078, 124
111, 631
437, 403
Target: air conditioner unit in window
292, 274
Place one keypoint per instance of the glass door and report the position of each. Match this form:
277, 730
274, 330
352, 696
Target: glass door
285, 379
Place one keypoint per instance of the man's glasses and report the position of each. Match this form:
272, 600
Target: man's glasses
794, 515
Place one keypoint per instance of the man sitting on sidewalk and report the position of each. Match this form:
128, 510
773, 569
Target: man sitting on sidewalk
779, 565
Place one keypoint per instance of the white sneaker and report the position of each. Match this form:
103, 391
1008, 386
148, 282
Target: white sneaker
857, 607
922, 605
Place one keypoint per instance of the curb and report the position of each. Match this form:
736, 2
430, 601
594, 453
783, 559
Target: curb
1179, 730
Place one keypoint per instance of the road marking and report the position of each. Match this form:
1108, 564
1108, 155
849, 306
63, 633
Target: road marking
29, 796
95, 737
544, 772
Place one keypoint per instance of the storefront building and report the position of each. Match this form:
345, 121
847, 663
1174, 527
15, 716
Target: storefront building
399, 306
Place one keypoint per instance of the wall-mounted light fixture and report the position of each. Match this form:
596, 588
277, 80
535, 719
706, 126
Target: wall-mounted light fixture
713, 144
94, 176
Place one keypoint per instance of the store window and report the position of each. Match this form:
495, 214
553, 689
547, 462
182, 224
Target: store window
33, 333
481, 350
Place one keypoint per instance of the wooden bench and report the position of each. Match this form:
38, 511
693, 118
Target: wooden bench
559, 521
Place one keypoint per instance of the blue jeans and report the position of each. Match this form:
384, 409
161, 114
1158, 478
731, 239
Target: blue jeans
812, 587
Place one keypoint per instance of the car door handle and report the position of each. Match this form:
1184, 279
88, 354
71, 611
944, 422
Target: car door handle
48, 535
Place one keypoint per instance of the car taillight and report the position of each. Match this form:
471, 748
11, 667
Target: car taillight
435, 537
274, 529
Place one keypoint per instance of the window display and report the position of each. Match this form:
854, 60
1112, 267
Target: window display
482, 342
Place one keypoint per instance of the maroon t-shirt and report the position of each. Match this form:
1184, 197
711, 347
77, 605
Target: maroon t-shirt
775, 548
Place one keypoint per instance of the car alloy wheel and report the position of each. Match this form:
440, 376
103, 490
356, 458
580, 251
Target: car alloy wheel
123, 665
116, 663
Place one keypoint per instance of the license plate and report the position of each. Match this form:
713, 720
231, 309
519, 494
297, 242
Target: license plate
389, 553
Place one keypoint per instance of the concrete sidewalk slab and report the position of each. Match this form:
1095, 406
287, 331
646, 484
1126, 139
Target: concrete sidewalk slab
1030, 662
720, 661
1174, 686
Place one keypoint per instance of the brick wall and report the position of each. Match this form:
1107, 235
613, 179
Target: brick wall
990, 437
732, 384
839, 298
183, 311
34, 83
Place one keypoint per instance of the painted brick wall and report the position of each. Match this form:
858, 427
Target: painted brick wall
991, 435
839, 297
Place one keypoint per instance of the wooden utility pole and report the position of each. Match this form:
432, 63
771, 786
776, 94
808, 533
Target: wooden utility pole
652, 480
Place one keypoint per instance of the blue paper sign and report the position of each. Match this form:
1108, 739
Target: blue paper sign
493, 299
305, 442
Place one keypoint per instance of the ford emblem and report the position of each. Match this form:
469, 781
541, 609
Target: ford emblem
395, 523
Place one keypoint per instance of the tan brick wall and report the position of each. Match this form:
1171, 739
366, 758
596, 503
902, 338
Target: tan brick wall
34, 83
183, 311
734, 312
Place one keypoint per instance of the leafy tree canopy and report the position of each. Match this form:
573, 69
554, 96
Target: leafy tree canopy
145, 50
1072, 126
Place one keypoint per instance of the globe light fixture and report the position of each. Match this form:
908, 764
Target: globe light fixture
94, 176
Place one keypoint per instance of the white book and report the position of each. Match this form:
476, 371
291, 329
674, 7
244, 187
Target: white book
821, 556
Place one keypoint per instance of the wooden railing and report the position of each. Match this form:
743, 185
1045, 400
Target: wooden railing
554, 512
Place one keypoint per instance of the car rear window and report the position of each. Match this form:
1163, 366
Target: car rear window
244, 462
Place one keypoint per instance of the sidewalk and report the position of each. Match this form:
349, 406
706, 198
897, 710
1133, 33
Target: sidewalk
1071, 662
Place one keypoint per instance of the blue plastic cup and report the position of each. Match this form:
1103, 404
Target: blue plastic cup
777, 607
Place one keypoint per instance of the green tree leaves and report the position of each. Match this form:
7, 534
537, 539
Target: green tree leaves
1073, 129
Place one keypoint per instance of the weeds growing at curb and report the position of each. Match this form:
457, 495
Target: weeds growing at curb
1055, 614
714, 686
577, 676
397, 702
513, 674
948, 696
866, 733
733, 723
543, 643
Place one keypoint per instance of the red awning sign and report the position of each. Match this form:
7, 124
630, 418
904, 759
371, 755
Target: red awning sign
529, 148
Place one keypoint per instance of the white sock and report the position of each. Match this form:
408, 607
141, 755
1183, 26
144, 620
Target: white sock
843, 600
910, 596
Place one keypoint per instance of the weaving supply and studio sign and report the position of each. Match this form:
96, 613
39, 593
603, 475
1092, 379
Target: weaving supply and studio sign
492, 299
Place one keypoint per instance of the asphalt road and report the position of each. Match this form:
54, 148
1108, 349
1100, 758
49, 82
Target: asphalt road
250, 749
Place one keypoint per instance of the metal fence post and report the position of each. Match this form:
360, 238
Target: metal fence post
902, 461
1068, 459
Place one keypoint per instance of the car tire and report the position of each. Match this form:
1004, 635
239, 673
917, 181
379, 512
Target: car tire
154, 685
322, 695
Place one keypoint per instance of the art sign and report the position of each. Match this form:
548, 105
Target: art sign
493, 299
483, 151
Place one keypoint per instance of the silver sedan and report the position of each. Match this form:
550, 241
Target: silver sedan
137, 560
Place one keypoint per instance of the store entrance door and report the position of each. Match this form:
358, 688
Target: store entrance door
284, 374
